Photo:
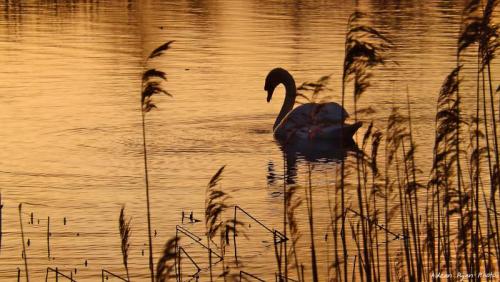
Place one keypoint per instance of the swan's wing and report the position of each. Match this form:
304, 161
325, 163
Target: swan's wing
314, 113
329, 113
303, 113
318, 132
296, 123
335, 131
298, 117
307, 118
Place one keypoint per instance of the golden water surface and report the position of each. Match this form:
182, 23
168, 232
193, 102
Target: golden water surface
70, 124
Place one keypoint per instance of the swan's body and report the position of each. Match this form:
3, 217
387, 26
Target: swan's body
308, 122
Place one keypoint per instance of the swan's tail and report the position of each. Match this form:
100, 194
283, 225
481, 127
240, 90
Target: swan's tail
350, 129
336, 132
318, 133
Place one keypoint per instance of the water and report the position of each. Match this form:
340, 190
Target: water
71, 136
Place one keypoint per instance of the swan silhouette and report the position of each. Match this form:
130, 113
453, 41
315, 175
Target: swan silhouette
307, 123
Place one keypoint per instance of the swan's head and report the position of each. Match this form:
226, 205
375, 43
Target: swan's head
273, 79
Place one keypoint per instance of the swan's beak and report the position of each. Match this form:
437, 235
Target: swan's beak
269, 95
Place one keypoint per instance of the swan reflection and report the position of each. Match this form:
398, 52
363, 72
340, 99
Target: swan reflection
317, 151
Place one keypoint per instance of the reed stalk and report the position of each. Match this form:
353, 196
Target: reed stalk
125, 232
215, 205
488, 45
364, 51
166, 265
457, 143
151, 85
292, 204
148, 205
24, 254
454, 203
333, 212
285, 206
386, 209
309, 201
478, 30
1, 231
48, 238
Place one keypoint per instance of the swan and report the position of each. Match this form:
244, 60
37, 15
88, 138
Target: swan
308, 122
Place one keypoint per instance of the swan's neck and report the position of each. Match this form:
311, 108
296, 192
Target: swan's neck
291, 93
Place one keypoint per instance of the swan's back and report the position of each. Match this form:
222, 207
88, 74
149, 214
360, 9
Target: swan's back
329, 113
315, 114
307, 117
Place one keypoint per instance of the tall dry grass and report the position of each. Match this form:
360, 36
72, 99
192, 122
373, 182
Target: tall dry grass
400, 228
152, 84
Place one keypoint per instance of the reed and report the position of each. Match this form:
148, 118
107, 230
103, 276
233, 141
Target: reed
125, 232
1, 231
152, 84
312, 92
165, 268
285, 221
334, 217
48, 238
396, 136
364, 49
412, 187
24, 254
446, 162
309, 202
293, 203
479, 31
387, 190
488, 46
376, 192
386, 181
214, 207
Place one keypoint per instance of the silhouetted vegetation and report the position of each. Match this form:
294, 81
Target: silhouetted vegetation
125, 231
394, 234
152, 84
